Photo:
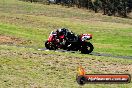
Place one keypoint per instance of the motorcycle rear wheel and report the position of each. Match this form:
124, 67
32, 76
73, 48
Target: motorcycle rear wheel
88, 48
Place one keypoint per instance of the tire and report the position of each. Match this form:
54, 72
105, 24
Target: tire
47, 45
50, 45
88, 48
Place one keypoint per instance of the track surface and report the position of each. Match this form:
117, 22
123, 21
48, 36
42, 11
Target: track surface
93, 53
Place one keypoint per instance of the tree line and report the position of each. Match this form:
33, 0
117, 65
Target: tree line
107, 7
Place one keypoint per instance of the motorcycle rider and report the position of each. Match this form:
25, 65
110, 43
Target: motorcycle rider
62, 31
68, 35
61, 35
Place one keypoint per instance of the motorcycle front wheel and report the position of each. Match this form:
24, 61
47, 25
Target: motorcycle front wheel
47, 45
50, 46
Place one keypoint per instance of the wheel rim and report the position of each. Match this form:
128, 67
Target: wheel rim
88, 48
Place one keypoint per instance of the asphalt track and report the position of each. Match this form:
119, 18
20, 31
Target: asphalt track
59, 50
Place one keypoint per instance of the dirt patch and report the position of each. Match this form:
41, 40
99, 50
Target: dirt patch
12, 40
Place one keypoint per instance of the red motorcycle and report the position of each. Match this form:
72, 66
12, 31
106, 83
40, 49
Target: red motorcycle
70, 42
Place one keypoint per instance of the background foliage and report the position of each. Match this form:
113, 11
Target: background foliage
107, 7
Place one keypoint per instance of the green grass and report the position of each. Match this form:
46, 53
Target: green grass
30, 68
36, 21
105, 39
22, 67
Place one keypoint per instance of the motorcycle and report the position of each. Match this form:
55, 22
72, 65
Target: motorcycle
70, 42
